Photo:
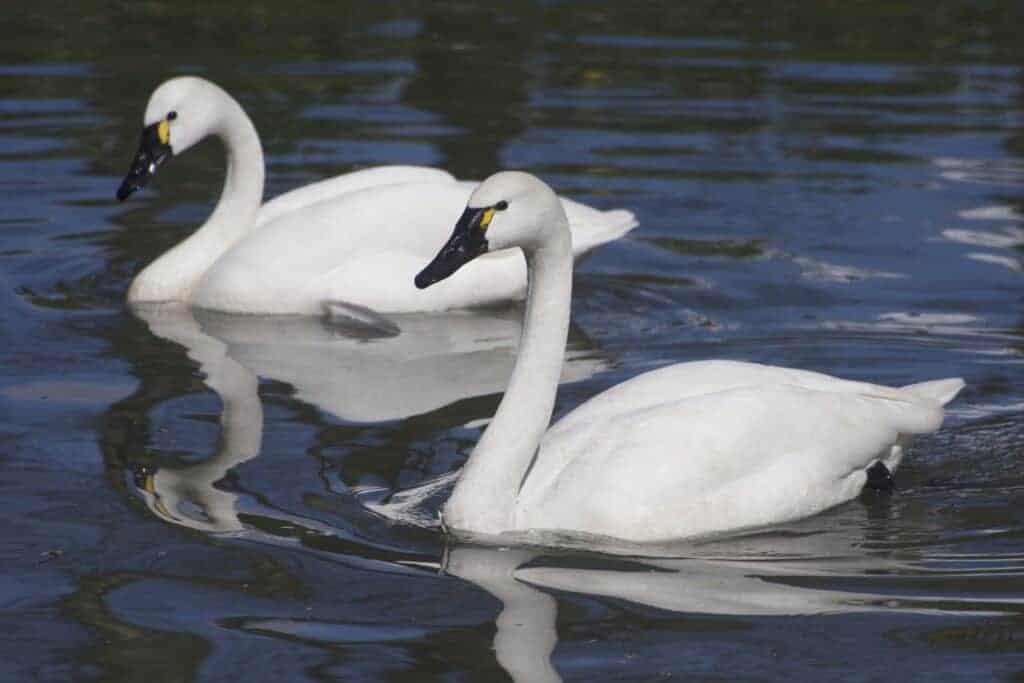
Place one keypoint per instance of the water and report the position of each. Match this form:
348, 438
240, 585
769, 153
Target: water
188, 496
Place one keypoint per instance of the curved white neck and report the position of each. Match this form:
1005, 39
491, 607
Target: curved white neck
484, 498
174, 276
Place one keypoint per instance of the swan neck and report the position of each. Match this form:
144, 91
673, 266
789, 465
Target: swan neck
484, 498
177, 273
243, 183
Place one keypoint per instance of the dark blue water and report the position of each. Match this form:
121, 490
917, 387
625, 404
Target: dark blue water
189, 496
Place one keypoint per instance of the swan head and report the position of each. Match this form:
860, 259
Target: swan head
181, 112
508, 209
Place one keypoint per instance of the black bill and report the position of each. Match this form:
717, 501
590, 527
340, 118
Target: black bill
144, 476
153, 152
466, 243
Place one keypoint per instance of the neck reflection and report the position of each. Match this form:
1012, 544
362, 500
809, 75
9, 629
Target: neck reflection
434, 362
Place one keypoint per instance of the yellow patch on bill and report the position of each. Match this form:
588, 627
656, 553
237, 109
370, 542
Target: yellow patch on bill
485, 220
163, 131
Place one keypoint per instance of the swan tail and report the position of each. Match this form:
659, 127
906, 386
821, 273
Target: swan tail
940, 390
359, 321
620, 220
605, 226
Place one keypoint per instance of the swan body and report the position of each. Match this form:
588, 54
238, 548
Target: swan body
711, 446
355, 240
687, 450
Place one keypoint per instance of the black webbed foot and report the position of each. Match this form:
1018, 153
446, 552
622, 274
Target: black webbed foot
880, 479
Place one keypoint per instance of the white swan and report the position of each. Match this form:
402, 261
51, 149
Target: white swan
356, 239
690, 449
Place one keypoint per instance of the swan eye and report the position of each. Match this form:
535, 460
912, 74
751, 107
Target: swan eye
171, 115
488, 215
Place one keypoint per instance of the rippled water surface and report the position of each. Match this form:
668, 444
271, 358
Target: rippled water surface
190, 496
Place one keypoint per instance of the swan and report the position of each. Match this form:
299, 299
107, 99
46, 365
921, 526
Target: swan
341, 245
686, 450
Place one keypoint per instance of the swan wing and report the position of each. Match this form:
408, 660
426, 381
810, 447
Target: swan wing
738, 458
347, 183
364, 247
590, 227
489, 279
683, 380
284, 266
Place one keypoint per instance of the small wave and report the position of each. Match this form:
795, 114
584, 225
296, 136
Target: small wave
1008, 239
1004, 172
997, 212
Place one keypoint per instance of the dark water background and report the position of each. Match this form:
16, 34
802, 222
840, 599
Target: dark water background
836, 186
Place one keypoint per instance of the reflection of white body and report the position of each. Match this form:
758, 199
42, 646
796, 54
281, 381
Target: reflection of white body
526, 627
690, 449
763, 575
355, 239
434, 361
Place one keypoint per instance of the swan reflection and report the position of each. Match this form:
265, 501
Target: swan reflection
531, 584
435, 361
803, 571
746, 578
526, 626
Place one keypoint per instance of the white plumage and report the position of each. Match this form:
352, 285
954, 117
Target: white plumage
712, 446
357, 239
687, 450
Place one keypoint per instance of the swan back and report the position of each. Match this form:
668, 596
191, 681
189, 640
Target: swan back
334, 188
684, 380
